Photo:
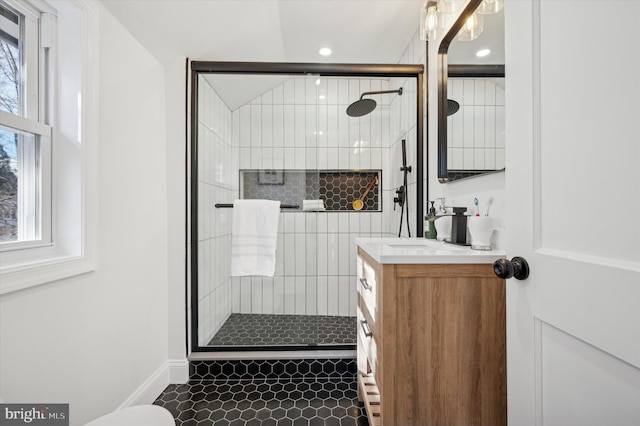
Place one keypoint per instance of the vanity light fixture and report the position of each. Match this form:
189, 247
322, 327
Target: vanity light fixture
483, 52
472, 28
490, 6
325, 51
429, 22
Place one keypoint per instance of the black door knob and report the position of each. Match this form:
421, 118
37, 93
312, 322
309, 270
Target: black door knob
516, 267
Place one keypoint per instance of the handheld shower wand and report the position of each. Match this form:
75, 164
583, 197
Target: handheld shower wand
404, 156
402, 191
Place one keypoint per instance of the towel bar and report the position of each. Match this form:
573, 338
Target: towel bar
282, 206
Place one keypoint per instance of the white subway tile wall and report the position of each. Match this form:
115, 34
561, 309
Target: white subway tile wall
300, 124
475, 134
217, 183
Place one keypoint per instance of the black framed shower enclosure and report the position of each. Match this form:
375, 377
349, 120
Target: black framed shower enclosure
316, 70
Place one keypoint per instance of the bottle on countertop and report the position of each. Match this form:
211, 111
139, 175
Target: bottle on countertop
429, 223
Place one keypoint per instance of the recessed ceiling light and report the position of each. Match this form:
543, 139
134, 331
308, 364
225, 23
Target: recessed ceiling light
325, 51
483, 52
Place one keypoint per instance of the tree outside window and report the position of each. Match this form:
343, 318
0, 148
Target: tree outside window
10, 95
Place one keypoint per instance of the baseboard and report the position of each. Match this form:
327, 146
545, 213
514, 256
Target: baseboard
178, 371
172, 371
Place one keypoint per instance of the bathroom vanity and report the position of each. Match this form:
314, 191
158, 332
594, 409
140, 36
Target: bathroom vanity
431, 336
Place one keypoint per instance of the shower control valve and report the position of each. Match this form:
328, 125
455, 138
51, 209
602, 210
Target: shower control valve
399, 199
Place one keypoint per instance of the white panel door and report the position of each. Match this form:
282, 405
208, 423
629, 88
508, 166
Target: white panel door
573, 189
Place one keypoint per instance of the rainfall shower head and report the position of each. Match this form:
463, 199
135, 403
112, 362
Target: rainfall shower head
361, 107
365, 106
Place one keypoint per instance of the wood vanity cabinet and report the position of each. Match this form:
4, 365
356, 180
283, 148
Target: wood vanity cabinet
431, 344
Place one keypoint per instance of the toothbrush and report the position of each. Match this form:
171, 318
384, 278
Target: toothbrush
475, 201
489, 202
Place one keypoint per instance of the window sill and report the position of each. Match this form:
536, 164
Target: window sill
45, 271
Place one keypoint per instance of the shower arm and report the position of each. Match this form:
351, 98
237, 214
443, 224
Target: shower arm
399, 92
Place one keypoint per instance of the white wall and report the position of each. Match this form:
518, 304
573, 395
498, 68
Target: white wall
175, 123
460, 193
92, 340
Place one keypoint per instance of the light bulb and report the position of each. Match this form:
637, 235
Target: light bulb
429, 20
472, 28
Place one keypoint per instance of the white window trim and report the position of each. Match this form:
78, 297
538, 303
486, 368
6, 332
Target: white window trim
31, 234
34, 177
74, 251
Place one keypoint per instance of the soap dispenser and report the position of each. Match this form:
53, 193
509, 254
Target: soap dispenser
429, 223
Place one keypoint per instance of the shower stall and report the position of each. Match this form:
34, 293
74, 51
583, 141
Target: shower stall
282, 132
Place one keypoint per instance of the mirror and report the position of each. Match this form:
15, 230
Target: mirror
471, 99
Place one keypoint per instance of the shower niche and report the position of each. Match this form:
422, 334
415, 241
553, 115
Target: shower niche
333, 190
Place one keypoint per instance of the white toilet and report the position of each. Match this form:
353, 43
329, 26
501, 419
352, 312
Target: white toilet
139, 415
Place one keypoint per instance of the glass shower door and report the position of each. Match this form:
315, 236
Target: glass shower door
290, 141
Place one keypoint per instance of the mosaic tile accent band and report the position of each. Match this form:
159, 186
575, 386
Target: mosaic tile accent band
278, 330
340, 189
229, 370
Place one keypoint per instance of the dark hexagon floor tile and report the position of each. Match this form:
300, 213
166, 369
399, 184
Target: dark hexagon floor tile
291, 402
275, 330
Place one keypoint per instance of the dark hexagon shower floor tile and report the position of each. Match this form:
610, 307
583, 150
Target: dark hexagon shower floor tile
295, 402
275, 330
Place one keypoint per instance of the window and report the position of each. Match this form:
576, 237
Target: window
48, 140
25, 135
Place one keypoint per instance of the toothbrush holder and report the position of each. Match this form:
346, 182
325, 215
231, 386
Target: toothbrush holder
480, 229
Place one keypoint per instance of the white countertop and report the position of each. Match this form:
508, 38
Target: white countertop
421, 250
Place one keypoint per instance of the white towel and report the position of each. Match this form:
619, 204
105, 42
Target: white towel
313, 205
254, 237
